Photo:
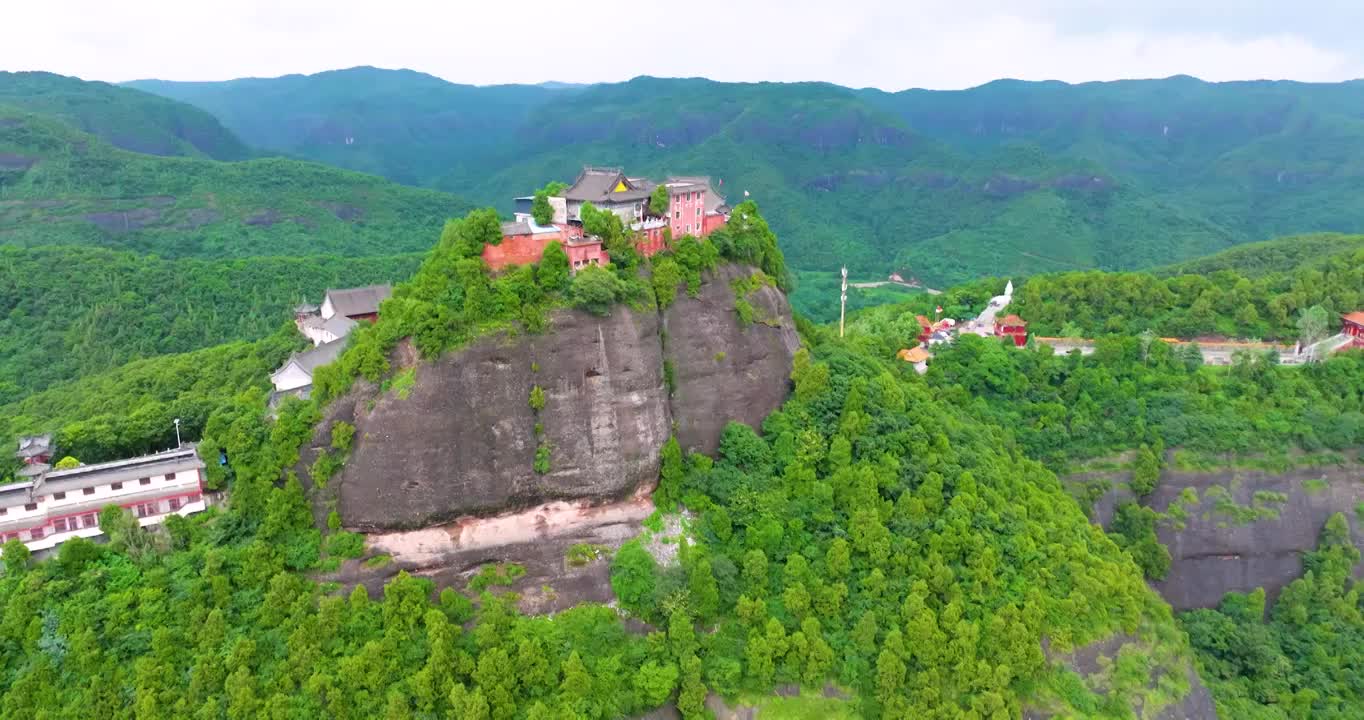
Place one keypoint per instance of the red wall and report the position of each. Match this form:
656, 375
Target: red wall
586, 254
517, 250
713, 222
651, 242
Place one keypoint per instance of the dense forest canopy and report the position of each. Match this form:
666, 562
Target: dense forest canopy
66, 312
1213, 297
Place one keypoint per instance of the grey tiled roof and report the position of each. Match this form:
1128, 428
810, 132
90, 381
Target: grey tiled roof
359, 301
596, 185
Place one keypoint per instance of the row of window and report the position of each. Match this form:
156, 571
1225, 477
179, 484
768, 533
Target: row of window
677, 214
677, 199
84, 491
91, 520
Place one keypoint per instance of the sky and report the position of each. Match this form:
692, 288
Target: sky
890, 44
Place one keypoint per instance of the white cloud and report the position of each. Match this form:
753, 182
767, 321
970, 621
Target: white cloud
881, 43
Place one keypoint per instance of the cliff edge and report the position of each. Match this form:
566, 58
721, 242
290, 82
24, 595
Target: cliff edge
461, 436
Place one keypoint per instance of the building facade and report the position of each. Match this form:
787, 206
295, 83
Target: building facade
57, 505
695, 208
1013, 327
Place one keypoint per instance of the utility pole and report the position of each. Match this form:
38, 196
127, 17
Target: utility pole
843, 301
177, 433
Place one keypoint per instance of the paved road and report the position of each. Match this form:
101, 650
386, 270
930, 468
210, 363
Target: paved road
879, 283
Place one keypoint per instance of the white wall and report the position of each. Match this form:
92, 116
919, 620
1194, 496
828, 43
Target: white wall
327, 310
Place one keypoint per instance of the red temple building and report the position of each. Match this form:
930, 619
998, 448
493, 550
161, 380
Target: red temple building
695, 209
1352, 325
1014, 327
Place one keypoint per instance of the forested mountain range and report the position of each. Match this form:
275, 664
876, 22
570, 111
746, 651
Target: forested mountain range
1005, 179
121, 117
61, 186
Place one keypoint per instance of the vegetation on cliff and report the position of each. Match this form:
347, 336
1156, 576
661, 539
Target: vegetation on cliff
1302, 658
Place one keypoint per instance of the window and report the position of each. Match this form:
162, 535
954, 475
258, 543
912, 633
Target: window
195, 497
170, 476
90, 520
35, 534
59, 525
174, 504
4, 511
88, 491
688, 227
144, 481
116, 486
59, 496
698, 212
677, 215
31, 506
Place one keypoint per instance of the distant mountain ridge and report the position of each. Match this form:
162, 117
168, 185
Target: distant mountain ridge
1010, 177
124, 118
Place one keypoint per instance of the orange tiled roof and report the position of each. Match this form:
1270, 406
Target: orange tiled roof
1356, 317
915, 355
1012, 320
923, 322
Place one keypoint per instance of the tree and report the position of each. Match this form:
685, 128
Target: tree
701, 587
67, 463
16, 557
596, 289
540, 209
1145, 472
1313, 323
658, 201
553, 272
634, 575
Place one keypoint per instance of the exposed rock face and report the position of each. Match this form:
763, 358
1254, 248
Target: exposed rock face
745, 383
1217, 552
463, 442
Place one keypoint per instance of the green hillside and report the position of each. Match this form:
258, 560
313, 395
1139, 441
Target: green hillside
407, 126
60, 186
1281, 255
128, 119
1008, 178
66, 312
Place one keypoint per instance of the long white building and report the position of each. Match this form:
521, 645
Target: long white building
51, 506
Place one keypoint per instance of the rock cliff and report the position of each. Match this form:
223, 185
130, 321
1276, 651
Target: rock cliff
462, 440
1246, 529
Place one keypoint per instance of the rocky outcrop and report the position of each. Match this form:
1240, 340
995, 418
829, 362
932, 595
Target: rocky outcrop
462, 439
724, 370
1249, 528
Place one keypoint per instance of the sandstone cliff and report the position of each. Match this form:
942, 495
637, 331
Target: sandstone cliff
1246, 529
462, 439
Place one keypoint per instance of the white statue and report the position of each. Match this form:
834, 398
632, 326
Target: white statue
1009, 289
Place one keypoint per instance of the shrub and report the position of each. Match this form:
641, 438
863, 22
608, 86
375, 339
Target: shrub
1145, 472
542, 452
633, 577
496, 574
346, 544
342, 435
595, 290
537, 398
